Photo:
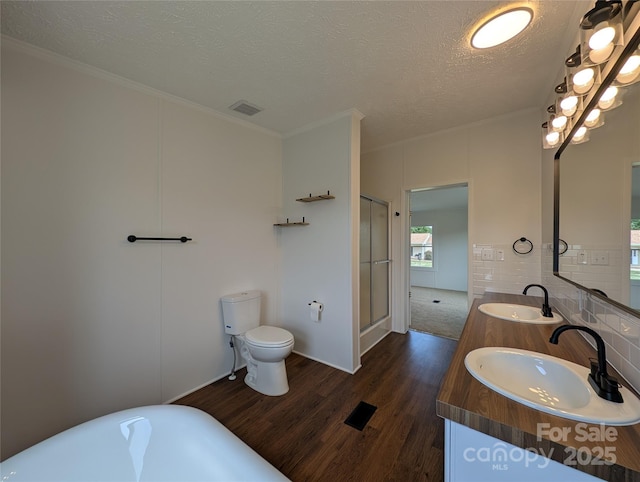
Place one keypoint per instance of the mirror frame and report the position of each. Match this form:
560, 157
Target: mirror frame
617, 60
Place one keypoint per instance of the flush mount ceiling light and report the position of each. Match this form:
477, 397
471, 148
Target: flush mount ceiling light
501, 27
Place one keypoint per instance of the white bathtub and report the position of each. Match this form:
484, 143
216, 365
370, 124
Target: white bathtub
155, 443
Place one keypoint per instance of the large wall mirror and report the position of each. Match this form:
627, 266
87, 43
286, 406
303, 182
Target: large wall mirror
597, 200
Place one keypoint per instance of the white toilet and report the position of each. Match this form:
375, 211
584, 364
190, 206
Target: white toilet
263, 347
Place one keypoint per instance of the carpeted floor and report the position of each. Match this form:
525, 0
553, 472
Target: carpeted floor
439, 312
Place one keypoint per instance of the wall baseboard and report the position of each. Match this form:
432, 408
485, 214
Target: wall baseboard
342, 369
213, 380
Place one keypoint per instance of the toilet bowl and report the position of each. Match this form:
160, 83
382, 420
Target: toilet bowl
269, 343
263, 347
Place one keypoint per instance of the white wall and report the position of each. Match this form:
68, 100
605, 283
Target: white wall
500, 159
450, 247
90, 322
221, 183
318, 259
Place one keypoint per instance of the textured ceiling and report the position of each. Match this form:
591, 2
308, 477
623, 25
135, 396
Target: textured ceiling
406, 66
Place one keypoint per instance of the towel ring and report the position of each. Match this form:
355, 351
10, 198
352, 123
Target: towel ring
562, 246
524, 243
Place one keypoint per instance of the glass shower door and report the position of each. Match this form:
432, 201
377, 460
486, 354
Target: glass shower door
374, 261
365, 263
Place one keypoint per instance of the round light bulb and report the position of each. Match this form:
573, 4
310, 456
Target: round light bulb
608, 98
630, 70
501, 28
569, 105
583, 80
552, 138
602, 38
579, 135
593, 118
601, 55
559, 123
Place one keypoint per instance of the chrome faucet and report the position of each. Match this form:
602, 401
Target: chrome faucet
604, 384
546, 309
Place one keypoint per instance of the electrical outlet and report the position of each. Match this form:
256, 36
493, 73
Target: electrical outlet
487, 254
600, 258
500, 254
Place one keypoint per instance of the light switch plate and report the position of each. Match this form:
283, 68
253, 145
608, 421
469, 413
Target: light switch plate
581, 257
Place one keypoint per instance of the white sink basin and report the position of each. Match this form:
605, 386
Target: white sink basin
520, 313
549, 384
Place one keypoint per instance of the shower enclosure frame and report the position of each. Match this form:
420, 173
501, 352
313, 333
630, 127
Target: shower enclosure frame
375, 272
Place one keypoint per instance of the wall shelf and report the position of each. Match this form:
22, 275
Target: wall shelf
288, 224
310, 199
321, 197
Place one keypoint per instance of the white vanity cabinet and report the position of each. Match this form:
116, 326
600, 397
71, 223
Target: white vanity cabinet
471, 456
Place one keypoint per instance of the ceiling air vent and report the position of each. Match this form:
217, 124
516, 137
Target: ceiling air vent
245, 108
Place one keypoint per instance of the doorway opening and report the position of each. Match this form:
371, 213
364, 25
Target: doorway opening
438, 265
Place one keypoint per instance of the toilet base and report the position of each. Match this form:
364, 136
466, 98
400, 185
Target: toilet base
268, 378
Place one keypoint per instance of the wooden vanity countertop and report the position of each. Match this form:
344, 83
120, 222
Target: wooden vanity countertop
468, 402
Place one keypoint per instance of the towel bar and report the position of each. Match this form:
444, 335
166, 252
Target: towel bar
132, 239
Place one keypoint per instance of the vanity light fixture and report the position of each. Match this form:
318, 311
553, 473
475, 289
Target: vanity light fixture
574, 60
561, 88
558, 123
583, 80
594, 119
553, 139
550, 137
501, 27
601, 45
609, 99
630, 71
580, 136
601, 31
601, 56
569, 105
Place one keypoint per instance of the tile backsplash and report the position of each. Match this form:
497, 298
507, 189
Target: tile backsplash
619, 329
595, 266
498, 268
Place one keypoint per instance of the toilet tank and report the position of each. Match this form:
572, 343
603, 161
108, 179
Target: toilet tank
241, 312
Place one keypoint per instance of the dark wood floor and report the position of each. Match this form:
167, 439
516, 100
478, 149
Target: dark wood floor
302, 433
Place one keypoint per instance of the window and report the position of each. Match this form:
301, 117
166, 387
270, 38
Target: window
422, 246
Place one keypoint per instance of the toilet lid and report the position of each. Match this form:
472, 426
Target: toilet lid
269, 336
